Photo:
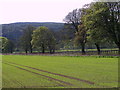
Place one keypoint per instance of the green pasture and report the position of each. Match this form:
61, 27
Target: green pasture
86, 49
59, 71
73, 50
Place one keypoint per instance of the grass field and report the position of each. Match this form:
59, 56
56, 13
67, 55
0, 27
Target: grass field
59, 72
74, 50
87, 49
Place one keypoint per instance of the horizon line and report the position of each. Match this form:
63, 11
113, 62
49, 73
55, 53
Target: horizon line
31, 22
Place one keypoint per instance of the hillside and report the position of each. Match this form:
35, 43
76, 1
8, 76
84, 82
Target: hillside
14, 31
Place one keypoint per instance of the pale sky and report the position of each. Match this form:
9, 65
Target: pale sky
37, 10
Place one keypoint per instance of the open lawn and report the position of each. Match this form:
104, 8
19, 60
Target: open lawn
20, 71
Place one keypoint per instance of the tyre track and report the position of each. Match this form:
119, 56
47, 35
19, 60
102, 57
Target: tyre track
66, 83
74, 78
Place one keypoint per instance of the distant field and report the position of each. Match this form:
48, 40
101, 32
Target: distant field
87, 49
76, 50
59, 71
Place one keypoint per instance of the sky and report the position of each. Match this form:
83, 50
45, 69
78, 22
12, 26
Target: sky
37, 10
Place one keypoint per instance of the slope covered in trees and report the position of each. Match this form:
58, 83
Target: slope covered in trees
14, 31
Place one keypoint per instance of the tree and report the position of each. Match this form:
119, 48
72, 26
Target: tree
42, 39
6, 45
75, 19
50, 41
113, 22
26, 38
104, 17
10, 46
81, 37
65, 37
94, 24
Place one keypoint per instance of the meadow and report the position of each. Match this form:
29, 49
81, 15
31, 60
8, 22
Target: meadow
33, 71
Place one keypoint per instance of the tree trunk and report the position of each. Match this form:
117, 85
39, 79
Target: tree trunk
118, 44
26, 51
11, 51
53, 50
50, 51
118, 49
83, 48
30, 50
43, 49
98, 48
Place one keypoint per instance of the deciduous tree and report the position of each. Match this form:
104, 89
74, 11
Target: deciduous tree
6, 46
75, 19
103, 20
42, 39
26, 38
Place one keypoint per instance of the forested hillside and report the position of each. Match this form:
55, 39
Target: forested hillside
13, 31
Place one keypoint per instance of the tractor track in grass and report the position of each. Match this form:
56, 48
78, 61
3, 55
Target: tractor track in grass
60, 81
74, 78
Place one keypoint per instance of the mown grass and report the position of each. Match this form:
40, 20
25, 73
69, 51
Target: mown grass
102, 71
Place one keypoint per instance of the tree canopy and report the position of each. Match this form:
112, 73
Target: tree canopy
26, 38
6, 45
42, 39
103, 22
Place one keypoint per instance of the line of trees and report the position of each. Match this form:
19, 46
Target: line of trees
96, 22
40, 39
